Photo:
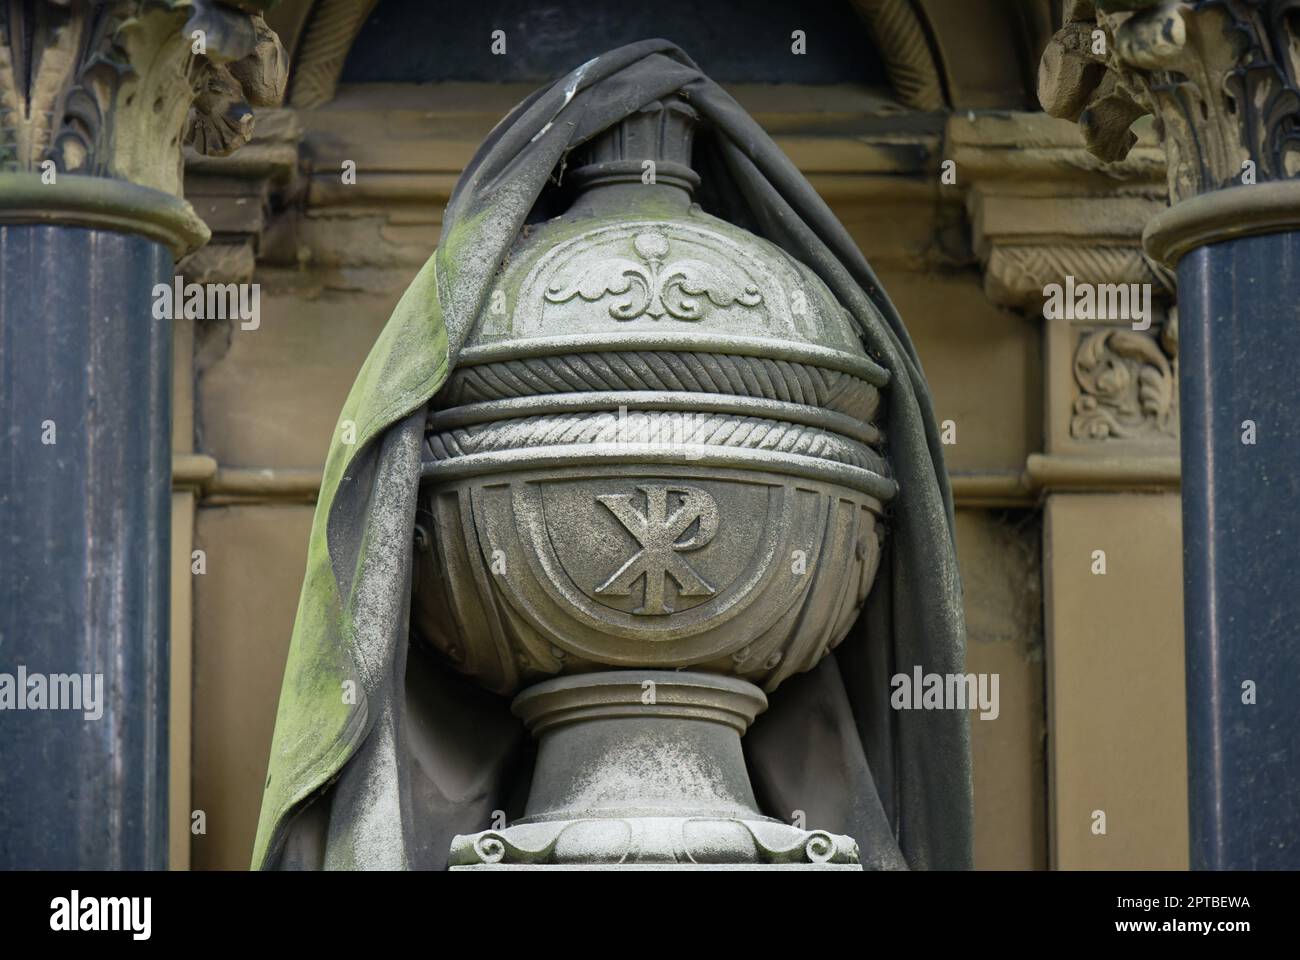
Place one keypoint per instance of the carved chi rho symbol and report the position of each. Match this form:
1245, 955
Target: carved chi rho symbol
657, 531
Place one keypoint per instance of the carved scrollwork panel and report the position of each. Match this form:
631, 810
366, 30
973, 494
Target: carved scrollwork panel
1127, 386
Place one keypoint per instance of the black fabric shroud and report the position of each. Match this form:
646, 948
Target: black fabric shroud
446, 755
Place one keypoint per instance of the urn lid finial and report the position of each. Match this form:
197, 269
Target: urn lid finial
661, 132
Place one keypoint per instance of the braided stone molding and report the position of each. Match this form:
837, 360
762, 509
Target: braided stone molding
761, 377
653, 427
1017, 273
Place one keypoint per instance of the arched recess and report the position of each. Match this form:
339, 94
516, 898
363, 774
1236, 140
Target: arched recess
986, 51
319, 34
902, 37
937, 54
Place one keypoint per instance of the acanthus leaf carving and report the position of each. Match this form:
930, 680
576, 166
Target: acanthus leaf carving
114, 89
222, 119
1222, 78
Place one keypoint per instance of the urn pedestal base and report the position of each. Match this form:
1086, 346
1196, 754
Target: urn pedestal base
643, 769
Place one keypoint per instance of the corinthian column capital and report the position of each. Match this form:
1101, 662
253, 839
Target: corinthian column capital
1220, 76
115, 89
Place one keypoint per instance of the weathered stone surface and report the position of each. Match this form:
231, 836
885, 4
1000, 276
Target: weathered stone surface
656, 452
622, 780
1221, 76
115, 91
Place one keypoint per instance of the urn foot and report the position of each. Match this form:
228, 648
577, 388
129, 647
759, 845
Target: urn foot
644, 769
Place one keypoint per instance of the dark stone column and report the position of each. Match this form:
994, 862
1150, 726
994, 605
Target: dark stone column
90, 221
84, 535
1239, 306
1221, 78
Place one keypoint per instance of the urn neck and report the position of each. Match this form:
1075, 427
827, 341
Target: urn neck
644, 158
640, 743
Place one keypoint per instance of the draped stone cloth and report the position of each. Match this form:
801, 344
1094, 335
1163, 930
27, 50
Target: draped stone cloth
381, 753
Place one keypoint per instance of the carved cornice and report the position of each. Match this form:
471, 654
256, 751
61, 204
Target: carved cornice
1063, 473
222, 486
1042, 208
1220, 76
115, 89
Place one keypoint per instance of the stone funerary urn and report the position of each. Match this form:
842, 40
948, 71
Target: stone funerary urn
652, 491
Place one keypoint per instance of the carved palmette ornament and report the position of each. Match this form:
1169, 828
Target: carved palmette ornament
657, 450
681, 289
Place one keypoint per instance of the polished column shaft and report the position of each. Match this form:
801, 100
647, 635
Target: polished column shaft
1239, 307
85, 476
